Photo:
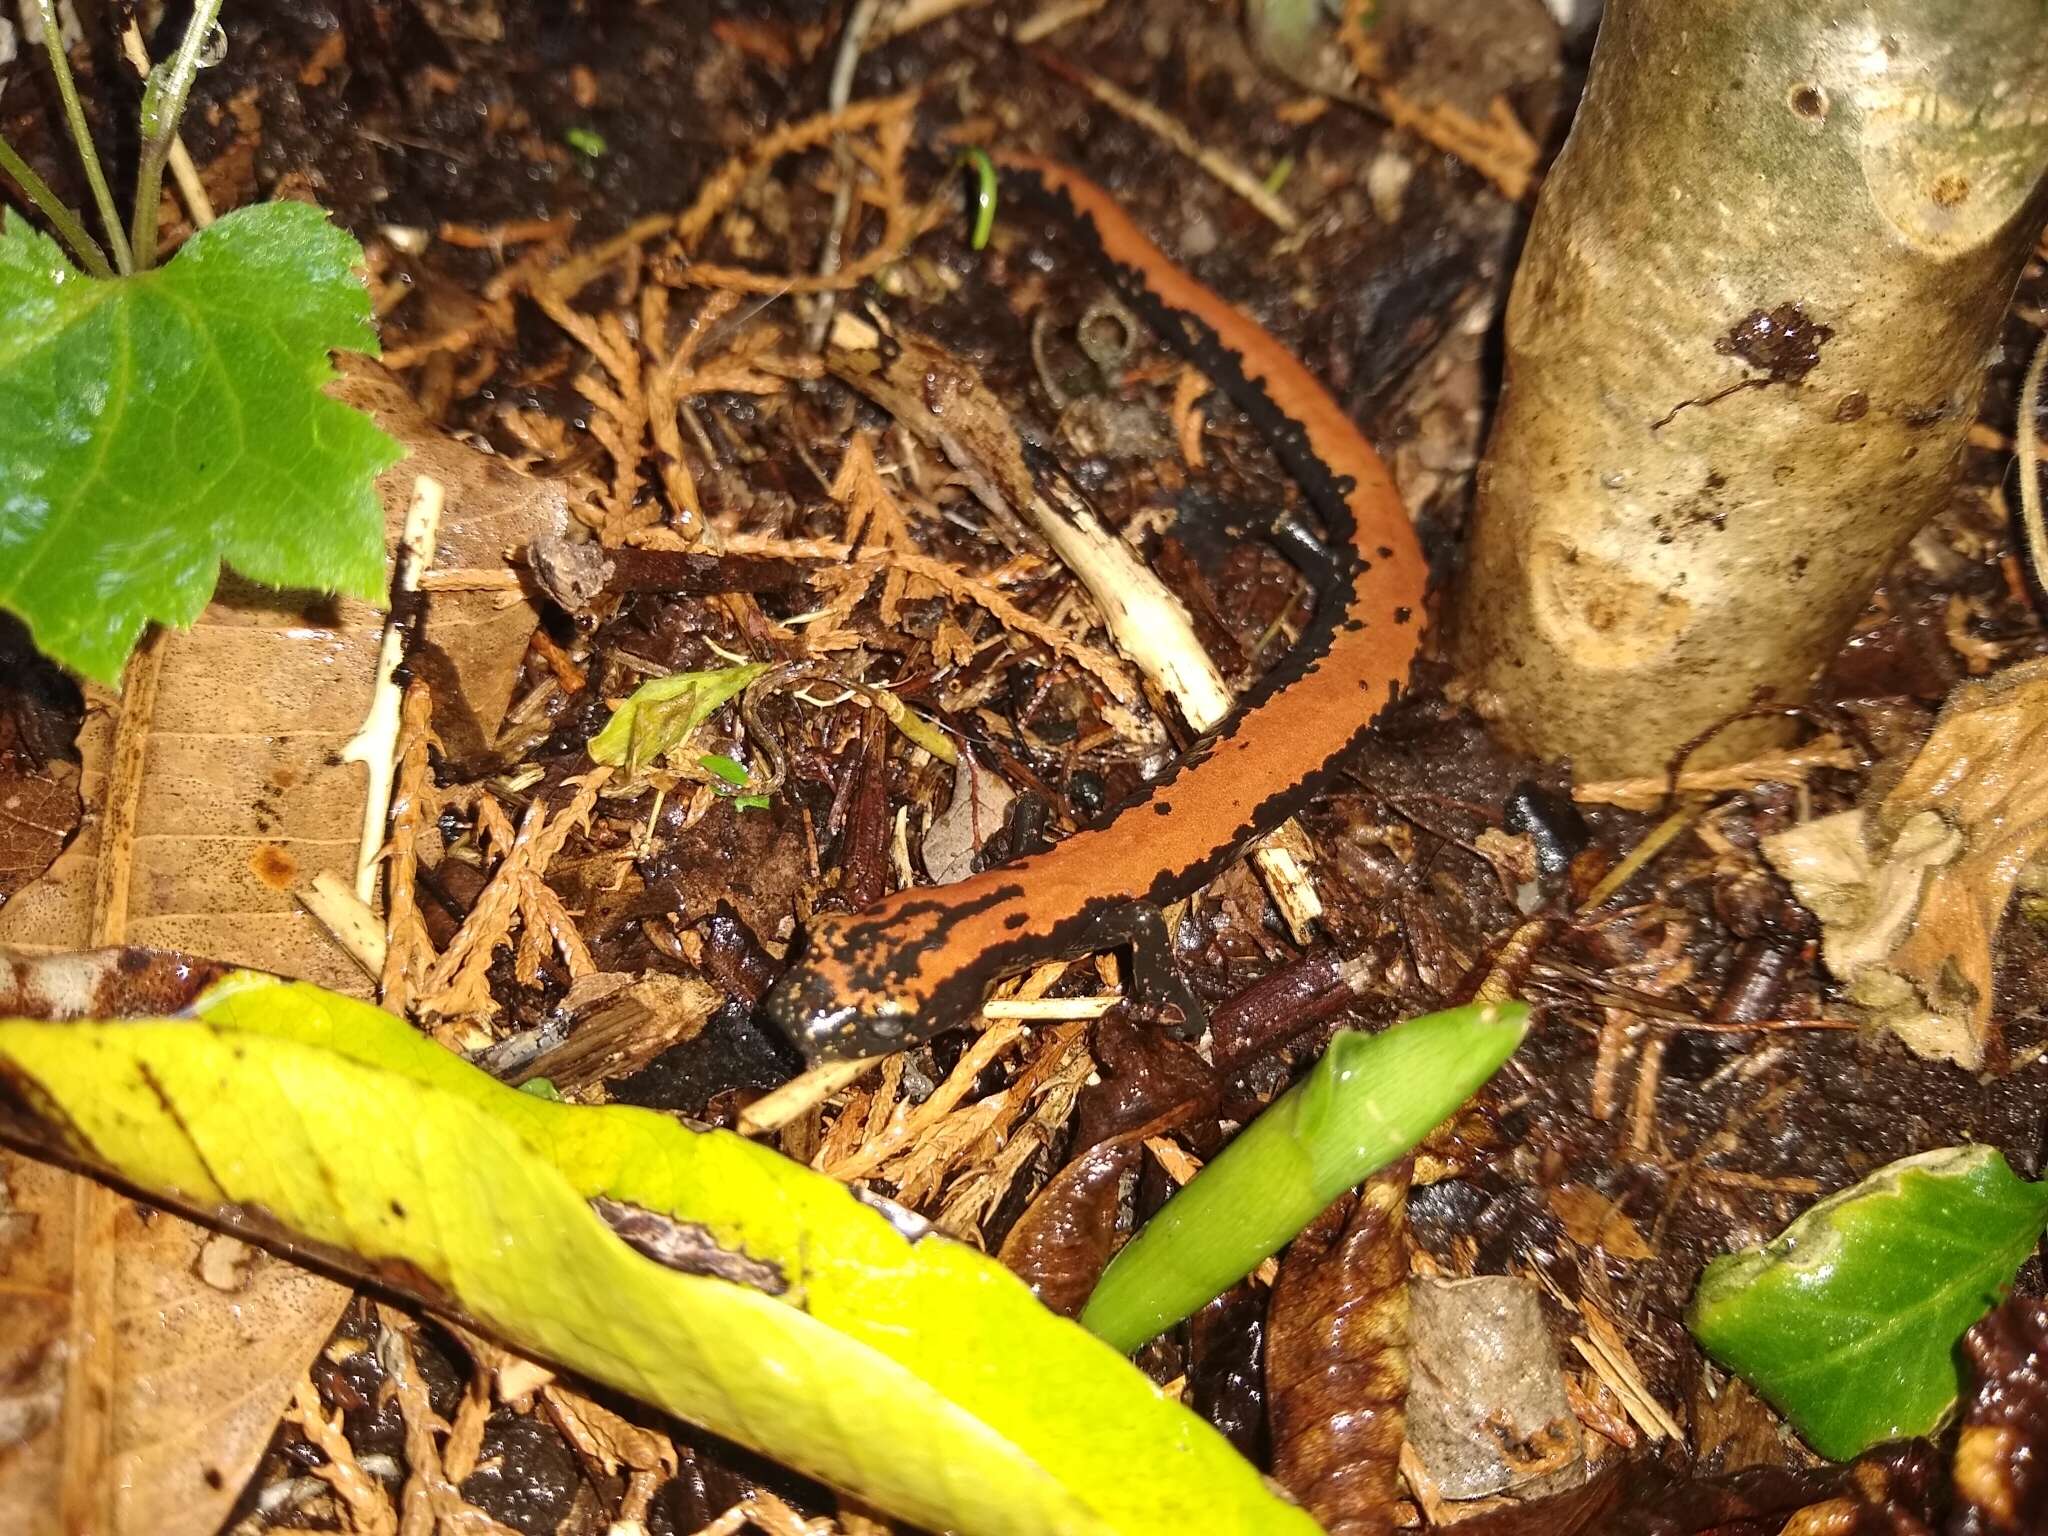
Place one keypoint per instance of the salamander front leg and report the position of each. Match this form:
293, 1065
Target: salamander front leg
1157, 988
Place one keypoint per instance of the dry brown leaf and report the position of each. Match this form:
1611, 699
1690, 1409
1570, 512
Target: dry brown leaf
1594, 1221
214, 798
976, 812
37, 812
1910, 888
203, 1337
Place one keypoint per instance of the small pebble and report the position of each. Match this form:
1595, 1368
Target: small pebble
1198, 237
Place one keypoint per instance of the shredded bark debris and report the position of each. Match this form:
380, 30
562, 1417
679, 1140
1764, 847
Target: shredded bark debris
636, 329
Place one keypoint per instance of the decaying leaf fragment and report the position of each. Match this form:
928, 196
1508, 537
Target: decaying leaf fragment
1337, 1359
1910, 887
1488, 1413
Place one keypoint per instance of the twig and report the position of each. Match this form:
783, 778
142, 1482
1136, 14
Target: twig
1038, 1010
81, 135
1176, 135
162, 108
803, 1092
851, 43
348, 918
375, 746
1654, 842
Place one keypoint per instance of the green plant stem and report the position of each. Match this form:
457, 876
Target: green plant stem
978, 161
170, 110
69, 226
81, 135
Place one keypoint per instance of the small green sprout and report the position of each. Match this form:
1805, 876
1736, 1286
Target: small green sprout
587, 142
1368, 1101
978, 161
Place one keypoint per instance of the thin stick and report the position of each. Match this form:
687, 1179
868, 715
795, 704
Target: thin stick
2032, 525
802, 1092
851, 42
375, 745
161, 131
197, 204
1177, 137
348, 918
69, 226
81, 136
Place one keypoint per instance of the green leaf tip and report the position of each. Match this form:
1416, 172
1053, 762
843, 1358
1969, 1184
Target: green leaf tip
1366, 1102
727, 769
1847, 1322
884, 1359
153, 427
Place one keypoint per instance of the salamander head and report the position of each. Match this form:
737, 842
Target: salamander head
831, 1004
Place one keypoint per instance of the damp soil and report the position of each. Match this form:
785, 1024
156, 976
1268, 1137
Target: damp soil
425, 127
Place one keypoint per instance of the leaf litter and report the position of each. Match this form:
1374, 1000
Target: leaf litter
739, 466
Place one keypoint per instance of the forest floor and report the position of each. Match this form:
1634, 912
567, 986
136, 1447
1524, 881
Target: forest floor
1693, 1081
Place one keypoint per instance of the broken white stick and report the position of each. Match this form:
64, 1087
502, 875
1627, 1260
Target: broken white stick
375, 746
348, 918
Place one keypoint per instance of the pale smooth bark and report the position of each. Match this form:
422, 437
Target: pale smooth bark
1744, 349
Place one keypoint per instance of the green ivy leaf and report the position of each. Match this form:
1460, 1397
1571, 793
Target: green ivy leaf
1847, 1322
851, 1342
153, 426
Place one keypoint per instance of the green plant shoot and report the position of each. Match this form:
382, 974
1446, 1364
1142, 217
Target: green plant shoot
1366, 1102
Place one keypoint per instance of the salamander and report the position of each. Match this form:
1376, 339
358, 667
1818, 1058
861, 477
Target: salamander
922, 960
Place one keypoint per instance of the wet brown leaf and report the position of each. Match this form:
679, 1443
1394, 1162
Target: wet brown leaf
1227, 1367
1593, 1221
1910, 888
2001, 1481
213, 792
1337, 1359
1062, 1242
1144, 1078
